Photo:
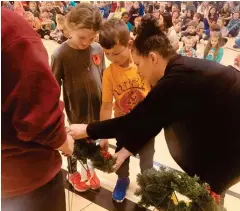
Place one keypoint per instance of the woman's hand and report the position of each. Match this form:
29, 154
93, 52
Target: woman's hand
77, 131
67, 147
104, 144
120, 157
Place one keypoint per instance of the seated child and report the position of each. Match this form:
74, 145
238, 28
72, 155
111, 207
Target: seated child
237, 41
187, 19
216, 28
175, 16
191, 31
33, 7
234, 25
125, 18
224, 30
60, 34
122, 83
200, 25
177, 27
156, 14
47, 25
33, 21
43, 7
18, 8
213, 50
136, 23
187, 49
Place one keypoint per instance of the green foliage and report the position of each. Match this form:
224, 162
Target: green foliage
85, 149
156, 188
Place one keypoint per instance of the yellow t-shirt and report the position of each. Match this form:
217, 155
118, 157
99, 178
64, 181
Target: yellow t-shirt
125, 86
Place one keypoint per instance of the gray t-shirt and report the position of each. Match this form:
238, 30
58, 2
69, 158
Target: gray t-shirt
81, 78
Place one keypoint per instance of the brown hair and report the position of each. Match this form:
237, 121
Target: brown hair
84, 16
151, 38
114, 32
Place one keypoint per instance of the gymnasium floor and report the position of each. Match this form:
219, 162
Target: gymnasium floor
102, 200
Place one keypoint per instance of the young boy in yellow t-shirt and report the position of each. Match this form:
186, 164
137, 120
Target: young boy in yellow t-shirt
122, 83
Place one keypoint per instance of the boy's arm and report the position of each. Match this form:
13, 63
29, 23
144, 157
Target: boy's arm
57, 68
107, 99
107, 95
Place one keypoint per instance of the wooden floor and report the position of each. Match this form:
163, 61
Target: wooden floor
100, 201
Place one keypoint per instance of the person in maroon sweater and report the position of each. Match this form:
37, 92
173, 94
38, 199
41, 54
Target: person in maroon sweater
32, 122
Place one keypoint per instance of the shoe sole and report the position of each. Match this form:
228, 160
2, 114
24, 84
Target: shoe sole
95, 188
78, 190
118, 201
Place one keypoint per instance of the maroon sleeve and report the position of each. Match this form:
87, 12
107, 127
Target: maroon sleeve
37, 114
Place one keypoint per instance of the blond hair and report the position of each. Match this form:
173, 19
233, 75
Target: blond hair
84, 16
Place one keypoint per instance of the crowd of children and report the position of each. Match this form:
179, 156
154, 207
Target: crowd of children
79, 64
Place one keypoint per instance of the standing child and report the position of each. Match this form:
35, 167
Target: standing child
187, 49
213, 50
122, 83
78, 65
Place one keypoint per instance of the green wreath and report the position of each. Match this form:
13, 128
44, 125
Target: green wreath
157, 188
87, 149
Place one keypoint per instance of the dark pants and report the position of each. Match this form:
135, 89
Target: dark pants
146, 159
234, 32
50, 197
42, 32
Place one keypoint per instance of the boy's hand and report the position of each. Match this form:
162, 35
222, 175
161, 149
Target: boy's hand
104, 144
120, 157
77, 131
67, 147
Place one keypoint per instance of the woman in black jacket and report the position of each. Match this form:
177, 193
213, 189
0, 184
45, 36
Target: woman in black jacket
195, 101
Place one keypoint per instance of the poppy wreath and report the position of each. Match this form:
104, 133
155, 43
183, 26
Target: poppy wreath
157, 188
87, 149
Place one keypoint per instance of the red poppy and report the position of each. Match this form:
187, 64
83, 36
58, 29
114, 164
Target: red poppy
106, 155
214, 195
96, 59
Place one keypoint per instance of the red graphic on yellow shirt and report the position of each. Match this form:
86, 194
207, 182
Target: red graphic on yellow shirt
130, 99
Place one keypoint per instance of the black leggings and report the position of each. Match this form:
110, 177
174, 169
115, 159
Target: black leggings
50, 197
